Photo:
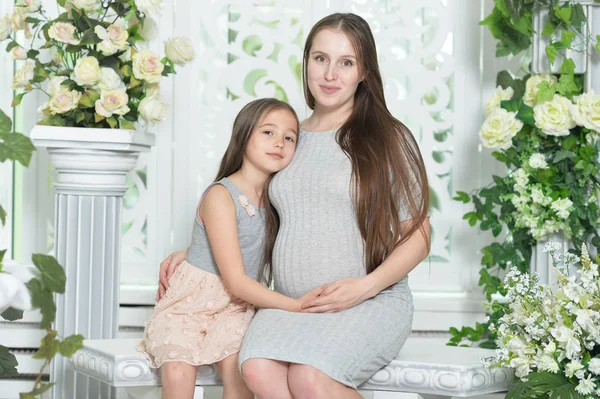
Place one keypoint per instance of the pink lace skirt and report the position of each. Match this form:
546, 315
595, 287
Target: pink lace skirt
197, 321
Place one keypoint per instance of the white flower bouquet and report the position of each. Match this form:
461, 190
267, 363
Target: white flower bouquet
91, 63
550, 335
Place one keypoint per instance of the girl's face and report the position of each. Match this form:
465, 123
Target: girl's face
332, 69
273, 142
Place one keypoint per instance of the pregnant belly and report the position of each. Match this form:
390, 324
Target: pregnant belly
301, 263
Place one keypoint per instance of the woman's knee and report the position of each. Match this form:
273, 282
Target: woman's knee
259, 373
307, 382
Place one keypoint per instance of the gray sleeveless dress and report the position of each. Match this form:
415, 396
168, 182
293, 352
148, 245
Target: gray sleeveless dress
319, 242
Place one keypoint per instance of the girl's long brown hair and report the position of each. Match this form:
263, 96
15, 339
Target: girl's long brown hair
387, 168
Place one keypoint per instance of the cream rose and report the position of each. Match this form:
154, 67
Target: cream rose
499, 128
86, 5
18, 53
153, 90
112, 102
63, 32
114, 38
5, 27
152, 7
64, 100
126, 56
586, 110
32, 5
23, 75
109, 80
147, 66
152, 109
180, 50
554, 117
18, 19
494, 101
86, 71
531, 87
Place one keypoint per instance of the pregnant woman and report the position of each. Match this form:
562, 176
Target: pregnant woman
349, 211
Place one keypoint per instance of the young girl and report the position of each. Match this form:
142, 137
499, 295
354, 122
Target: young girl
204, 314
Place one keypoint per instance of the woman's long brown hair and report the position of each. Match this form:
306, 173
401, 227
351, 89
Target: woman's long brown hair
387, 168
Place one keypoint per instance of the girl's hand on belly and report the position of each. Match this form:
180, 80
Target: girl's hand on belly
339, 295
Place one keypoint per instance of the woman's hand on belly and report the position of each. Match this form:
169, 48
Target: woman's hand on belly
339, 295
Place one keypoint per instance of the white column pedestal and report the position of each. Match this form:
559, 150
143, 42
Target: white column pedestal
91, 167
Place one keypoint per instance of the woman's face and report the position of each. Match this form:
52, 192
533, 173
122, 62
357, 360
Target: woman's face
332, 69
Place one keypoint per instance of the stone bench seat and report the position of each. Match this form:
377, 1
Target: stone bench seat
423, 368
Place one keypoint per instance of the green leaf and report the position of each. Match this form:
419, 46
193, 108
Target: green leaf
526, 114
511, 105
42, 299
125, 124
17, 100
48, 347
549, 29
12, 314
564, 13
566, 86
578, 18
545, 92
98, 118
551, 52
8, 363
568, 66
53, 120
32, 54
5, 123
89, 98
597, 45
462, 197
12, 44
563, 154
2, 217
71, 344
89, 38
16, 147
567, 38
52, 274
112, 122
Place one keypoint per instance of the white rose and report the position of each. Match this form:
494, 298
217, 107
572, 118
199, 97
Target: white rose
152, 7
126, 56
572, 367
32, 5
86, 5
18, 19
113, 39
586, 110
13, 293
109, 80
18, 53
112, 102
54, 84
554, 117
63, 32
86, 71
23, 75
538, 161
5, 27
499, 128
147, 66
494, 101
152, 109
531, 87
521, 366
64, 100
594, 366
153, 90
180, 50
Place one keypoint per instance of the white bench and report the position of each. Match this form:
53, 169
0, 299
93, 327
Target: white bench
422, 370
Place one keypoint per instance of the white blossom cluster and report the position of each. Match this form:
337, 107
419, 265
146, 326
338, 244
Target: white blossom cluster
553, 329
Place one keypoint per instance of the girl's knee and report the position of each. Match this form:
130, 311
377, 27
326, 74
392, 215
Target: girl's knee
178, 373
